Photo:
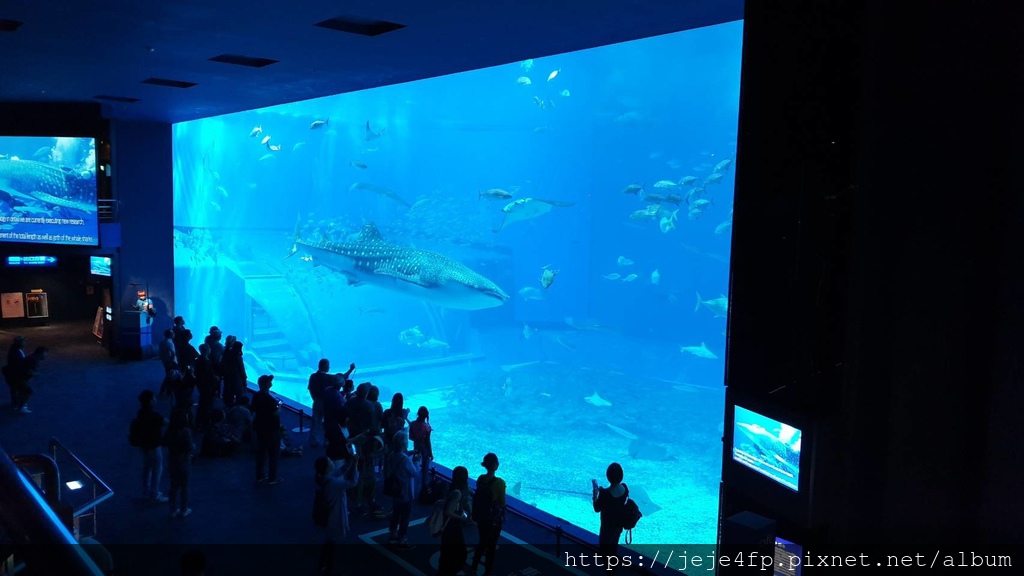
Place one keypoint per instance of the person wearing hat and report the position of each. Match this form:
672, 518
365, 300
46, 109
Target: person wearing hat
266, 425
216, 353
488, 513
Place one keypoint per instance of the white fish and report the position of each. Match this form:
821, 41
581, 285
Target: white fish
621, 432
723, 165
317, 124
547, 277
298, 146
630, 278
265, 140
266, 157
723, 227
564, 93
274, 147
612, 276
623, 261
526, 64
720, 306
596, 400
687, 180
215, 206
222, 191
668, 223
553, 75
524, 81
256, 131
699, 351
527, 331
655, 277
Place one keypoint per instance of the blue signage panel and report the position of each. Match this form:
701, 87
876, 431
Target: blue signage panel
47, 261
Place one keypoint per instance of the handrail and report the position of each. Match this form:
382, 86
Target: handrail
35, 529
97, 500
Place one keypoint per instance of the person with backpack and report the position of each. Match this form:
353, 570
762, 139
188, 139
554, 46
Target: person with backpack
488, 513
146, 434
610, 503
330, 503
456, 513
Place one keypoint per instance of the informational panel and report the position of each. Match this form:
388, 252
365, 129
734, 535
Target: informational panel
12, 305
37, 305
97, 323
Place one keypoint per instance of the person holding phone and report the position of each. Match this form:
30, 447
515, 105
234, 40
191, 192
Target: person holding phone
610, 503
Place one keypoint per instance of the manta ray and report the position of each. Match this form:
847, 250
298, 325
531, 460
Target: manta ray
426, 275
526, 208
370, 134
596, 400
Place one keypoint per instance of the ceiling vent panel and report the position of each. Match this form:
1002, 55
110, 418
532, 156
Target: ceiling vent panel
9, 25
361, 26
123, 99
168, 83
237, 60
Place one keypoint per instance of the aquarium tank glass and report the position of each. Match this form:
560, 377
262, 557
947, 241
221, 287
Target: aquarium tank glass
537, 252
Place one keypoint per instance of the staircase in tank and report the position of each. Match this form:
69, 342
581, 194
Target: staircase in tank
269, 342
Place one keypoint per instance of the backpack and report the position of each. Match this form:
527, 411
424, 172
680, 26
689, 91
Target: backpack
321, 508
437, 519
630, 516
133, 433
486, 510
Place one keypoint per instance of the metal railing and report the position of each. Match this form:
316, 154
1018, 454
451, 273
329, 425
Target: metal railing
101, 492
38, 537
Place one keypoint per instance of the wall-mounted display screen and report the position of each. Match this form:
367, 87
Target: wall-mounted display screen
48, 190
99, 265
767, 446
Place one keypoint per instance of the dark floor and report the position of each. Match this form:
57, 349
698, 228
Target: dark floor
86, 399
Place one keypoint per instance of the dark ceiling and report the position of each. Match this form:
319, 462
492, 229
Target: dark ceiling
76, 51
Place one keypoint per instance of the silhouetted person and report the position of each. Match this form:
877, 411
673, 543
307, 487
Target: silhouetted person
610, 502
488, 513
267, 429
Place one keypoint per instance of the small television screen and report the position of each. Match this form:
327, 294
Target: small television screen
767, 446
788, 558
48, 190
32, 261
99, 265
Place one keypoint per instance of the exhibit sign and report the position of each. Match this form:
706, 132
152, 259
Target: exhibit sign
12, 305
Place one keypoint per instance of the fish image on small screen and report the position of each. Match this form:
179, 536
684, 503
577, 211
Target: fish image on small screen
48, 190
767, 446
99, 265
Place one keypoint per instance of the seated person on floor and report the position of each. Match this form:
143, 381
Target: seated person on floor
239, 417
221, 439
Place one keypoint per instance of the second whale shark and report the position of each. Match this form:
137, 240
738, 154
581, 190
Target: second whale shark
426, 275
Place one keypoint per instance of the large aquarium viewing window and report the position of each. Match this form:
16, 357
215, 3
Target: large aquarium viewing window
537, 252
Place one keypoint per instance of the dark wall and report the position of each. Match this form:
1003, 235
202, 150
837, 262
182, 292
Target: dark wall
144, 186
875, 270
66, 285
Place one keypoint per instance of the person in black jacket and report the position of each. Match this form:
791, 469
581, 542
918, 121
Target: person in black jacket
266, 425
148, 436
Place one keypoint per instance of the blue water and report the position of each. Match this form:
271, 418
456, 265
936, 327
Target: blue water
558, 381
48, 190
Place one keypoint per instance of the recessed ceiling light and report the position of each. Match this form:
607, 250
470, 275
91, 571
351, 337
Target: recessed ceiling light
168, 83
361, 26
238, 60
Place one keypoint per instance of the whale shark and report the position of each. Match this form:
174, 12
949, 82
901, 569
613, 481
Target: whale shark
786, 455
29, 182
429, 276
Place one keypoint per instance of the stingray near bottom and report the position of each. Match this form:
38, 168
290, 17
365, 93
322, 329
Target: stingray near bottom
637, 493
643, 450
